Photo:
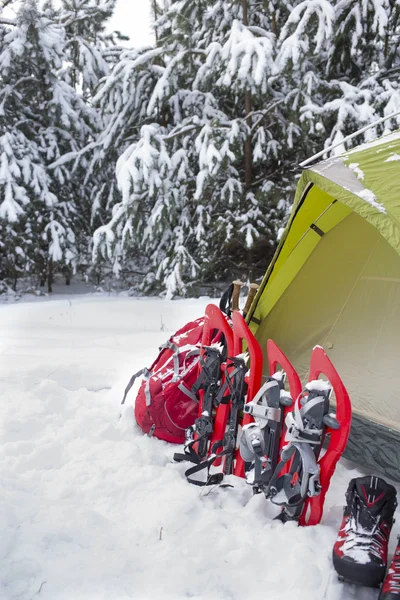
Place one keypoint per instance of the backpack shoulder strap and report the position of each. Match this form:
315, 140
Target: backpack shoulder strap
132, 380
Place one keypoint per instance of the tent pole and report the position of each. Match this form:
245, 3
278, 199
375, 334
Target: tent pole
347, 138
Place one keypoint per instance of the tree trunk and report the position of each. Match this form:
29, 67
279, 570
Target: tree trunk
155, 16
67, 275
50, 276
248, 107
248, 149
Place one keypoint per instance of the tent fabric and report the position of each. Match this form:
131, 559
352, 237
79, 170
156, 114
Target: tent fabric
335, 278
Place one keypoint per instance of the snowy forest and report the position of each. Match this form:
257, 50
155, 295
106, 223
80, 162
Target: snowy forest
173, 167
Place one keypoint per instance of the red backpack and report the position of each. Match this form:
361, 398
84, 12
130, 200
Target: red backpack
165, 405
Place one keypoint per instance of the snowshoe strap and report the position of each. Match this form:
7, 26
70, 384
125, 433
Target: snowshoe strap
228, 446
259, 411
237, 386
203, 427
259, 407
270, 383
210, 369
295, 423
252, 449
293, 488
222, 397
199, 465
132, 380
252, 442
214, 479
189, 454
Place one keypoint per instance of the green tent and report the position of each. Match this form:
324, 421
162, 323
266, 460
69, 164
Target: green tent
335, 281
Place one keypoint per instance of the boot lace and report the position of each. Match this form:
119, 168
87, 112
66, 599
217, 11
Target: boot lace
360, 542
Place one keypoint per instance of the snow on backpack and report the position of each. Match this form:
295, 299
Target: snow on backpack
166, 405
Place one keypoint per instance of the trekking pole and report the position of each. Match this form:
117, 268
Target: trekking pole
253, 287
237, 286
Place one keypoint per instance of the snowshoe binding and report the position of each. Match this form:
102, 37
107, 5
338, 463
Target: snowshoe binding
260, 440
282, 447
306, 426
198, 435
360, 551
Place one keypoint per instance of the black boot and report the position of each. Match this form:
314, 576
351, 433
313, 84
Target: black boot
360, 551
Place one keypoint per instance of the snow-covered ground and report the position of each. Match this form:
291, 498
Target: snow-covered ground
92, 509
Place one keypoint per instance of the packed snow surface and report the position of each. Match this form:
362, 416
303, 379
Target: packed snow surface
92, 509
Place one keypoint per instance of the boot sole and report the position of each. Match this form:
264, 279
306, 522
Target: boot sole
367, 575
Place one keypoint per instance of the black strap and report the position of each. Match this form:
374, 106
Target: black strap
199, 465
214, 479
132, 380
284, 482
221, 398
203, 425
225, 304
189, 454
210, 369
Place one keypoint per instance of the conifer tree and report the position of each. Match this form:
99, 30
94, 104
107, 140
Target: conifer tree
90, 51
195, 195
42, 118
358, 80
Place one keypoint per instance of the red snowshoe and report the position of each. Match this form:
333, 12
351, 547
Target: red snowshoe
301, 479
282, 432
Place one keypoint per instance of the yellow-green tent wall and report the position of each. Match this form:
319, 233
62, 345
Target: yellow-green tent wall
335, 280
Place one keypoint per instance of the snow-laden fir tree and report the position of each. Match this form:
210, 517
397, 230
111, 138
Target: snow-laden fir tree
201, 184
90, 50
358, 78
212, 121
42, 118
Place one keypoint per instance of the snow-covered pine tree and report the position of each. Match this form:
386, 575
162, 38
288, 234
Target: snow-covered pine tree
201, 188
90, 51
89, 48
41, 119
212, 121
357, 80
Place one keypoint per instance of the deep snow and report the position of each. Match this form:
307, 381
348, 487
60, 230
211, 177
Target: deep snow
92, 509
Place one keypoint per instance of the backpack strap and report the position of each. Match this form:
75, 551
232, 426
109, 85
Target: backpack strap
132, 380
171, 346
176, 352
182, 387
